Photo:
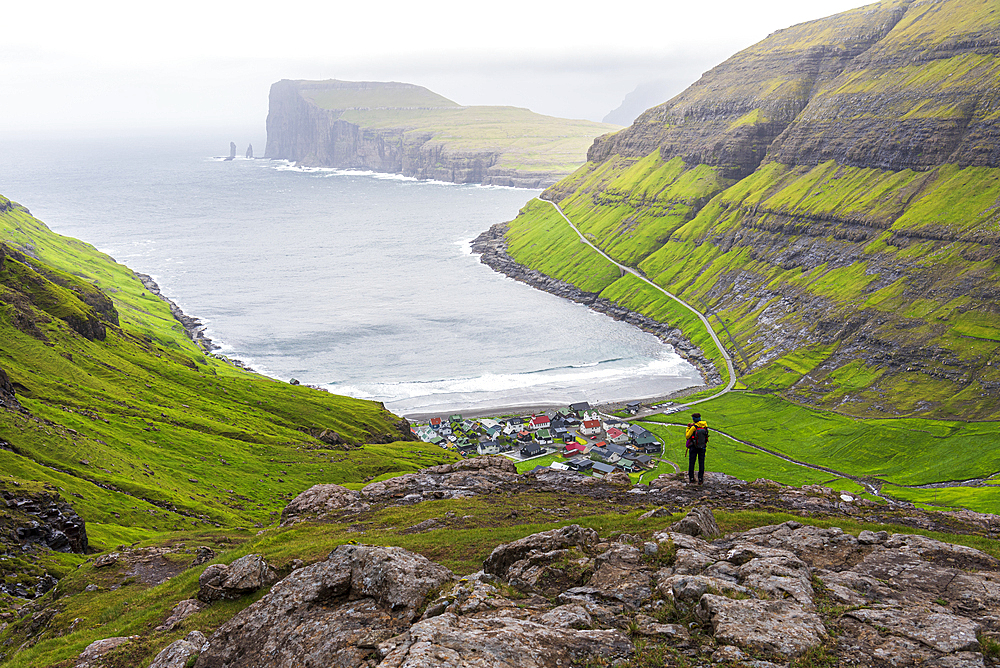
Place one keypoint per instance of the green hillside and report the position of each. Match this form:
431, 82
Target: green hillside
123, 415
832, 196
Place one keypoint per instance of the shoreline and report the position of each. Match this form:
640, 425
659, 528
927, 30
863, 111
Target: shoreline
491, 246
194, 327
534, 408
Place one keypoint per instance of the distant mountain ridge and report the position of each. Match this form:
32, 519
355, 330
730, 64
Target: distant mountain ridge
831, 195
405, 129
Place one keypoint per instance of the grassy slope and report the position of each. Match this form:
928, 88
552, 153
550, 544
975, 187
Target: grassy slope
153, 435
910, 253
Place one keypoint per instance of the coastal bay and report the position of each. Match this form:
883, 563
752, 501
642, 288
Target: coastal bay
359, 283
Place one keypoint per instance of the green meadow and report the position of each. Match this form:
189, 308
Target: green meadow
523, 139
899, 452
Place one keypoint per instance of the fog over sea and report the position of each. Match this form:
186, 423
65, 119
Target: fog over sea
360, 283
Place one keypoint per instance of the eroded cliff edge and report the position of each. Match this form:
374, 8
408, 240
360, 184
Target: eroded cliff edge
405, 129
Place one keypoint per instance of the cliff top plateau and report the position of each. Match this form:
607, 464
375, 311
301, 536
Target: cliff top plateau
405, 129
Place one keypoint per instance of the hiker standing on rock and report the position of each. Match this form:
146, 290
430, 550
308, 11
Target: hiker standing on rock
697, 442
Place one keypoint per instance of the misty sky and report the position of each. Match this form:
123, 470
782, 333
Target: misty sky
126, 67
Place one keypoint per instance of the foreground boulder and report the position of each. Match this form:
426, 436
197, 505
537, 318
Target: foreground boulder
178, 653
333, 613
321, 500
470, 477
243, 576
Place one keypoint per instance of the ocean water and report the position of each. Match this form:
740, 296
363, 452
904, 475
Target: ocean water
357, 282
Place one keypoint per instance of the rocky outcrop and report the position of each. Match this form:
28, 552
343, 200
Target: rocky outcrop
466, 478
91, 656
567, 597
335, 612
699, 522
178, 653
8, 398
243, 576
43, 518
319, 501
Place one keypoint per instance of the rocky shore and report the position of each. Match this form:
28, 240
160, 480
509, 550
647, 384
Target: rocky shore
491, 246
193, 326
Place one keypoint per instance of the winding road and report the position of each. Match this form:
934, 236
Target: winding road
872, 485
708, 326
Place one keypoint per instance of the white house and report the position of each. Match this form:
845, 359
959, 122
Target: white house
617, 435
540, 422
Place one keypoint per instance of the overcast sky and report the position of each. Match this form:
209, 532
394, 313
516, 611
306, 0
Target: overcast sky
90, 68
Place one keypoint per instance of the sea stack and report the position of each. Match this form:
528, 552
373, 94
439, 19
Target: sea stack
232, 151
249, 150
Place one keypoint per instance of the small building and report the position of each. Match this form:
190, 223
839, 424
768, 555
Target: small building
524, 437
603, 469
626, 465
617, 436
435, 423
574, 449
645, 461
579, 407
488, 448
455, 418
558, 466
531, 450
600, 453
614, 424
617, 449
647, 438
633, 407
590, 427
543, 437
580, 464
540, 422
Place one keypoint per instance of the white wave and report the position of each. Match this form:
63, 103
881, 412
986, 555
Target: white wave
587, 375
288, 166
464, 245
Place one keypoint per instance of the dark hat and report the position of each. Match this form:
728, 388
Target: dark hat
695, 416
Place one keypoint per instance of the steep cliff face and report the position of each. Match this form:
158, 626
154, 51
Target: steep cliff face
409, 130
832, 196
